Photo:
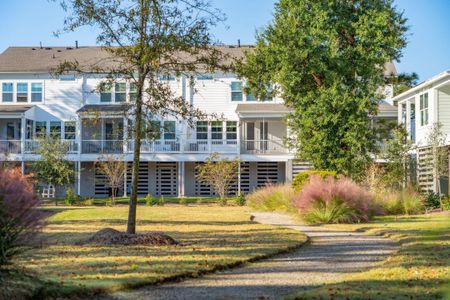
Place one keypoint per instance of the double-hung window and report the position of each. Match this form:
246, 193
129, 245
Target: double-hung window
7, 92
231, 130
236, 91
55, 129
22, 92
424, 109
202, 130
36, 92
216, 130
169, 130
133, 92
121, 92
154, 130
105, 92
69, 130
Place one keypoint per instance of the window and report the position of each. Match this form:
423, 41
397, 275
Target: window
169, 130
55, 129
216, 130
67, 77
204, 77
22, 92
167, 77
154, 130
105, 93
133, 92
36, 92
236, 91
7, 89
69, 130
202, 130
424, 109
403, 119
231, 130
121, 92
40, 130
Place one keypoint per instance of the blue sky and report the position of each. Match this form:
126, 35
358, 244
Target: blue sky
28, 22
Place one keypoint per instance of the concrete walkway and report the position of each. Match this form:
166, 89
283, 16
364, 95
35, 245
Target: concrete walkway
328, 257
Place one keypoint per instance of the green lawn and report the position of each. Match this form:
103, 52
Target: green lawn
212, 238
419, 270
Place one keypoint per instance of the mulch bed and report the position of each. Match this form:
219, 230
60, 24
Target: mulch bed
109, 236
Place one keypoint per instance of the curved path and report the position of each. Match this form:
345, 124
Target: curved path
328, 257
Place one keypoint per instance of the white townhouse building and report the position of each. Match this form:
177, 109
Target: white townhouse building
418, 109
34, 104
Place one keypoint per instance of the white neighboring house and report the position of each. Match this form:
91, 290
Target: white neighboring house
34, 104
418, 109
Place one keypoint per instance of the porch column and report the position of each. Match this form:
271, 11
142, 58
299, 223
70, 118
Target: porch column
181, 179
78, 177
125, 187
22, 166
22, 135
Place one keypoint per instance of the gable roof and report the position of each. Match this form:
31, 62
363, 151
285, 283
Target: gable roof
43, 60
46, 59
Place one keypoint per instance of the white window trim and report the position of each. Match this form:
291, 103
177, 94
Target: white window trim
15, 82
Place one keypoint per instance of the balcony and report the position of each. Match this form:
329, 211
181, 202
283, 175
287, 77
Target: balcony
32, 146
102, 146
275, 146
10, 146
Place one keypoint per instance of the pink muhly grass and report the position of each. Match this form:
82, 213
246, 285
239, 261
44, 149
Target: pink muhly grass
19, 216
331, 191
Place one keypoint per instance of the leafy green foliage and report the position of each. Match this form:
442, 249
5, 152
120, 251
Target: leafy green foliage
303, 177
161, 201
323, 212
70, 198
432, 200
397, 154
219, 173
150, 200
240, 199
52, 167
272, 198
327, 59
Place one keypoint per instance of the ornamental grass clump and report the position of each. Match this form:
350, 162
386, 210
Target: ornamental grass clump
403, 202
272, 197
331, 200
19, 217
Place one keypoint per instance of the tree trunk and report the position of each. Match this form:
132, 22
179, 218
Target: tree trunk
131, 227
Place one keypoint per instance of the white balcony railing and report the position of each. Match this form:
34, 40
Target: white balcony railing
210, 146
32, 146
263, 147
10, 146
157, 146
101, 146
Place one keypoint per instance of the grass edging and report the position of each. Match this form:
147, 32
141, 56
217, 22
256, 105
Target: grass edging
52, 288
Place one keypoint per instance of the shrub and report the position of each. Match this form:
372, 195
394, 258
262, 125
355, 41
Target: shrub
404, 202
19, 216
432, 200
161, 201
70, 198
183, 201
303, 177
87, 202
272, 197
330, 200
240, 199
446, 204
150, 200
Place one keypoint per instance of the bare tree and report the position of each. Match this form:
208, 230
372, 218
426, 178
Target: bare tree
144, 40
220, 174
113, 167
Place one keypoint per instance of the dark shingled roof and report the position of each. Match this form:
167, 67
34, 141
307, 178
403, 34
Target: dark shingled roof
94, 108
14, 108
